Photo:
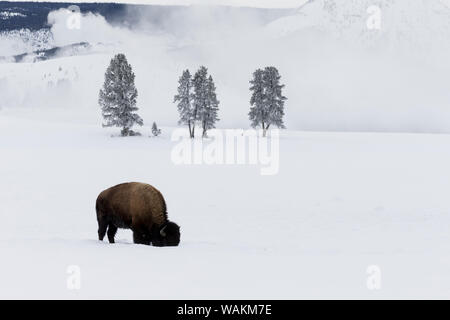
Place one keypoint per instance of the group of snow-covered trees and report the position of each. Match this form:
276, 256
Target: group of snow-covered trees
267, 101
196, 99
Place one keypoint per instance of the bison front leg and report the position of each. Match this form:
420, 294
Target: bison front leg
141, 237
112, 229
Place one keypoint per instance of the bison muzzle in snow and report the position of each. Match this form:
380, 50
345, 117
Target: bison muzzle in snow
139, 207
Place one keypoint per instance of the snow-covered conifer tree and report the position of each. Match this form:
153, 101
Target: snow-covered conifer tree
274, 97
118, 96
257, 100
184, 98
209, 114
201, 99
267, 100
155, 131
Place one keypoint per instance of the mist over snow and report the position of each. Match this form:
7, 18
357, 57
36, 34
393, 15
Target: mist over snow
93, 28
339, 75
20, 41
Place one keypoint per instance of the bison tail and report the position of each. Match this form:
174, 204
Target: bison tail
99, 207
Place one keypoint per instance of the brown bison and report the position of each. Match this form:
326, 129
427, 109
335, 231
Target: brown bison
139, 207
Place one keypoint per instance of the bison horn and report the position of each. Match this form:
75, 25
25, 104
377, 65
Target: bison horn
161, 232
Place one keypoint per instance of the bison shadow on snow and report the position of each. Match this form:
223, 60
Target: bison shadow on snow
139, 207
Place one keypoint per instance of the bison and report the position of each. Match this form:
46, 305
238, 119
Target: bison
139, 207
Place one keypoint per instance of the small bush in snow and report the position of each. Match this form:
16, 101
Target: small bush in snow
155, 131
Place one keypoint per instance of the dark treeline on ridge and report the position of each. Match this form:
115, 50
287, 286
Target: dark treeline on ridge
33, 15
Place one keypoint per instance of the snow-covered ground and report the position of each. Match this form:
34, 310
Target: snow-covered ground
340, 203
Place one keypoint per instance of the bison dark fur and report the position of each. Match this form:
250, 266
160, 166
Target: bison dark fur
139, 207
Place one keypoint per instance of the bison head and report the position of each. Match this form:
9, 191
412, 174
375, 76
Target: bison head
167, 235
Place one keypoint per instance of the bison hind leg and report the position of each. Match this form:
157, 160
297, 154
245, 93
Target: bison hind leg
112, 229
141, 238
102, 226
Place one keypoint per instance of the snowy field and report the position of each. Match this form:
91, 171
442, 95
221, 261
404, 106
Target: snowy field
348, 215
340, 203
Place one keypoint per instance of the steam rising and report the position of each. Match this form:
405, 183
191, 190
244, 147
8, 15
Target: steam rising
331, 83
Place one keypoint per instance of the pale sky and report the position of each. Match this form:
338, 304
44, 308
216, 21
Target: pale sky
237, 3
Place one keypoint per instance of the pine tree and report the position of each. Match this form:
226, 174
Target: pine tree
155, 131
184, 98
267, 100
201, 99
209, 115
257, 111
274, 97
118, 96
